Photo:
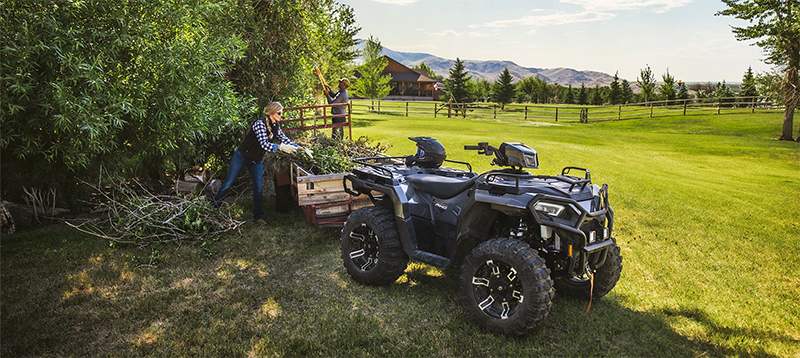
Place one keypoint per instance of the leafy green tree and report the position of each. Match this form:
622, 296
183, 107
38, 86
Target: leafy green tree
748, 84
667, 88
503, 88
285, 39
569, 97
647, 84
626, 95
777, 32
615, 92
429, 71
456, 84
769, 84
528, 88
583, 97
373, 83
146, 88
134, 87
479, 89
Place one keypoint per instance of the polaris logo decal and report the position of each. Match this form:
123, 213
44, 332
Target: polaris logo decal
440, 206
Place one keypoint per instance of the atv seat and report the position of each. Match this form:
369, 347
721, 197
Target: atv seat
439, 186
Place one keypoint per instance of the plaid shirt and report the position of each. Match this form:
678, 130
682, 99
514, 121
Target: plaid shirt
263, 136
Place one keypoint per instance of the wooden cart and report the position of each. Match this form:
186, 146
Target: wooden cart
323, 198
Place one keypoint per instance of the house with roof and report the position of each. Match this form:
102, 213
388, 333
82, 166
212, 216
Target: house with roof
410, 84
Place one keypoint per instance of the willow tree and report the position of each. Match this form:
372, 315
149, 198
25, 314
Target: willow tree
776, 29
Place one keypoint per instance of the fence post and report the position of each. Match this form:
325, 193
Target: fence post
619, 113
449, 108
464, 110
556, 114
684, 106
434, 110
406, 109
719, 104
495, 111
651, 110
526, 112
754, 105
379, 107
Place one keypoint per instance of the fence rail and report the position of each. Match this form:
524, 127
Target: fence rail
577, 113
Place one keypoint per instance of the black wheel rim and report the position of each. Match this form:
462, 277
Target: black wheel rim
364, 247
497, 289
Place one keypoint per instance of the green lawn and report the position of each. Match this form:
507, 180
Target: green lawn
707, 215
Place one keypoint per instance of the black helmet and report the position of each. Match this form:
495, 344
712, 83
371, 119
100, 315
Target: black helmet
430, 153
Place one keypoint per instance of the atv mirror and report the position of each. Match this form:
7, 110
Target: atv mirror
520, 155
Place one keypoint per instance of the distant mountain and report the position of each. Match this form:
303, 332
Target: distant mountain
490, 70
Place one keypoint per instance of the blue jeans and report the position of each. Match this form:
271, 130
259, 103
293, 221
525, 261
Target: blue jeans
238, 162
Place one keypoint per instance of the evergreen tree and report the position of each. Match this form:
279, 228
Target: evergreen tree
596, 98
373, 83
614, 92
647, 84
504, 89
457, 82
569, 97
683, 91
667, 88
583, 98
748, 84
626, 92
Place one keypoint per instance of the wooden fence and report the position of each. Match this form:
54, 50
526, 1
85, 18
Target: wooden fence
571, 113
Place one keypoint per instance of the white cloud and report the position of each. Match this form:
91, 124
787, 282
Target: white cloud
396, 2
447, 33
658, 6
560, 18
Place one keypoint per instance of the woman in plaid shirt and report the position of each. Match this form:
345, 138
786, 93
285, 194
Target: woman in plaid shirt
262, 136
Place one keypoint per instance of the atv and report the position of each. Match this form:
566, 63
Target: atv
517, 237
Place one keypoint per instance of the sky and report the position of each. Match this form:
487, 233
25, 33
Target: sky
683, 37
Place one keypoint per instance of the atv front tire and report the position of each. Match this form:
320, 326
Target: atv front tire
505, 286
371, 248
605, 278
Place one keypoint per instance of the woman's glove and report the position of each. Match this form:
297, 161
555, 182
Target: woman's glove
286, 148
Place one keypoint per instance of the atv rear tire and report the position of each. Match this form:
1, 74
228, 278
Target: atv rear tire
371, 248
605, 278
505, 286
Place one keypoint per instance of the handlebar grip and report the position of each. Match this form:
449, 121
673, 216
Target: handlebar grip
472, 147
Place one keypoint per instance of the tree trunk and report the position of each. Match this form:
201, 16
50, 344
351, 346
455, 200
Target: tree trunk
792, 97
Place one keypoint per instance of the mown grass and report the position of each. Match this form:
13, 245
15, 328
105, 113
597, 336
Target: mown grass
707, 218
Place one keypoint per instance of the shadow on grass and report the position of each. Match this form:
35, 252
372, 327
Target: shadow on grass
282, 290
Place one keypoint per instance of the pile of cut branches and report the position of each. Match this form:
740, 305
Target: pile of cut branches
130, 214
335, 155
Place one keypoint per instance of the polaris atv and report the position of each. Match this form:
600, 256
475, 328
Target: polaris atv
516, 236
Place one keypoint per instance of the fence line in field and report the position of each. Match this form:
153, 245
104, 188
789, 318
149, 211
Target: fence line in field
583, 114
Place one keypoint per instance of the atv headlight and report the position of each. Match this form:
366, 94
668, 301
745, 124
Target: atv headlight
549, 208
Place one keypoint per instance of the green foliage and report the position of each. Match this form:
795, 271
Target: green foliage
285, 38
429, 71
748, 84
596, 98
647, 84
615, 92
569, 96
135, 87
481, 89
582, 95
626, 93
147, 88
503, 88
776, 29
770, 84
373, 83
667, 88
458, 81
